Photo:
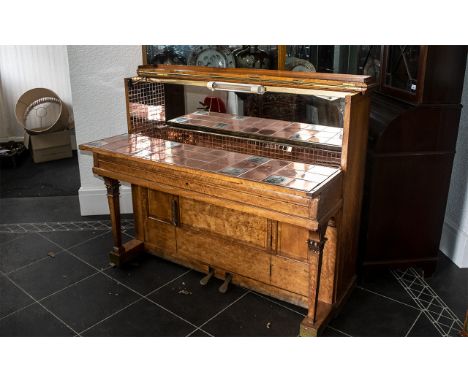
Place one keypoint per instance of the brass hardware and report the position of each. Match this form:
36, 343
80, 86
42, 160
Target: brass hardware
316, 246
205, 280
224, 287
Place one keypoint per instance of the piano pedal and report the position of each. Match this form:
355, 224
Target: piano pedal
224, 287
206, 279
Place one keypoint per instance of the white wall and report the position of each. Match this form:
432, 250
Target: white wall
96, 76
23, 67
454, 242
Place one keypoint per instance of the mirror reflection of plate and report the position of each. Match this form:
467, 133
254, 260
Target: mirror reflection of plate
212, 56
372, 68
299, 65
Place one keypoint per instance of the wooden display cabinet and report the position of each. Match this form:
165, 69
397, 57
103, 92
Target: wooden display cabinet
412, 138
271, 205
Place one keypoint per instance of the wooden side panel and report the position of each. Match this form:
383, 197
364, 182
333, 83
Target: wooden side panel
292, 241
224, 221
290, 275
161, 235
353, 157
225, 254
160, 205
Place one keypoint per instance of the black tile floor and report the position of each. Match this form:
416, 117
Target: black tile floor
57, 282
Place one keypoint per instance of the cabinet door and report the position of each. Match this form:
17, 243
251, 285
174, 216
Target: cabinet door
163, 206
403, 68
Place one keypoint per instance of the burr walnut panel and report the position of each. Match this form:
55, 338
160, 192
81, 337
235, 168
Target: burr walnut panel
224, 221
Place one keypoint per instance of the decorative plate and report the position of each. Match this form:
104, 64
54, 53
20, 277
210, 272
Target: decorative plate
299, 65
212, 56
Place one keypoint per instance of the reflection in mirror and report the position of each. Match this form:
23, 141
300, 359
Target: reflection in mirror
280, 117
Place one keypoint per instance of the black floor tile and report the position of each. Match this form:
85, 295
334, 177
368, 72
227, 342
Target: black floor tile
369, 315
130, 232
386, 284
34, 321
196, 303
451, 284
95, 251
146, 273
423, 328
143, 319
11, 297
24, 250
287, 305
44, 209
29, 179
89, 301
331, 332
67, 239
51, 274
5, 237
253, 316
199, 333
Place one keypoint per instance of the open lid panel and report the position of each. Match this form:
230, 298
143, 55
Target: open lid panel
333, 84
285, 115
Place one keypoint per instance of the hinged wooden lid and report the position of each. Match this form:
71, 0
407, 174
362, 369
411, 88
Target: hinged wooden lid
272, 80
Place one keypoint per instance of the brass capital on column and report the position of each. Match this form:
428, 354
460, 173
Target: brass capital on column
316, 246
112, 186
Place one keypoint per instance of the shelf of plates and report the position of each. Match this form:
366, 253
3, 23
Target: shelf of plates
353, 59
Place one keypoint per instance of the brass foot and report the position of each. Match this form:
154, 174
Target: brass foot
224, 287
307, 328
205, 280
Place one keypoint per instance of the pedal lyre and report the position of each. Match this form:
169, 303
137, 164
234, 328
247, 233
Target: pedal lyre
224, 286
205, 280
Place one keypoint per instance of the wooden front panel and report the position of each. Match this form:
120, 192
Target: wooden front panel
290, 274
225, 254
292, 241
160, 205
161, 235
224, 221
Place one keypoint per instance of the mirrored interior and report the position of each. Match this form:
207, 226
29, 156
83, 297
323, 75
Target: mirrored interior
278, 117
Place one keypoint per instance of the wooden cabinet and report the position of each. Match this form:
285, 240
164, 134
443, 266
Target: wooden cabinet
412, 138
269, 204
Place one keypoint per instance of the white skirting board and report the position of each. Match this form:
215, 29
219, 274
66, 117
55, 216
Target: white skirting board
93, 201
454, 243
